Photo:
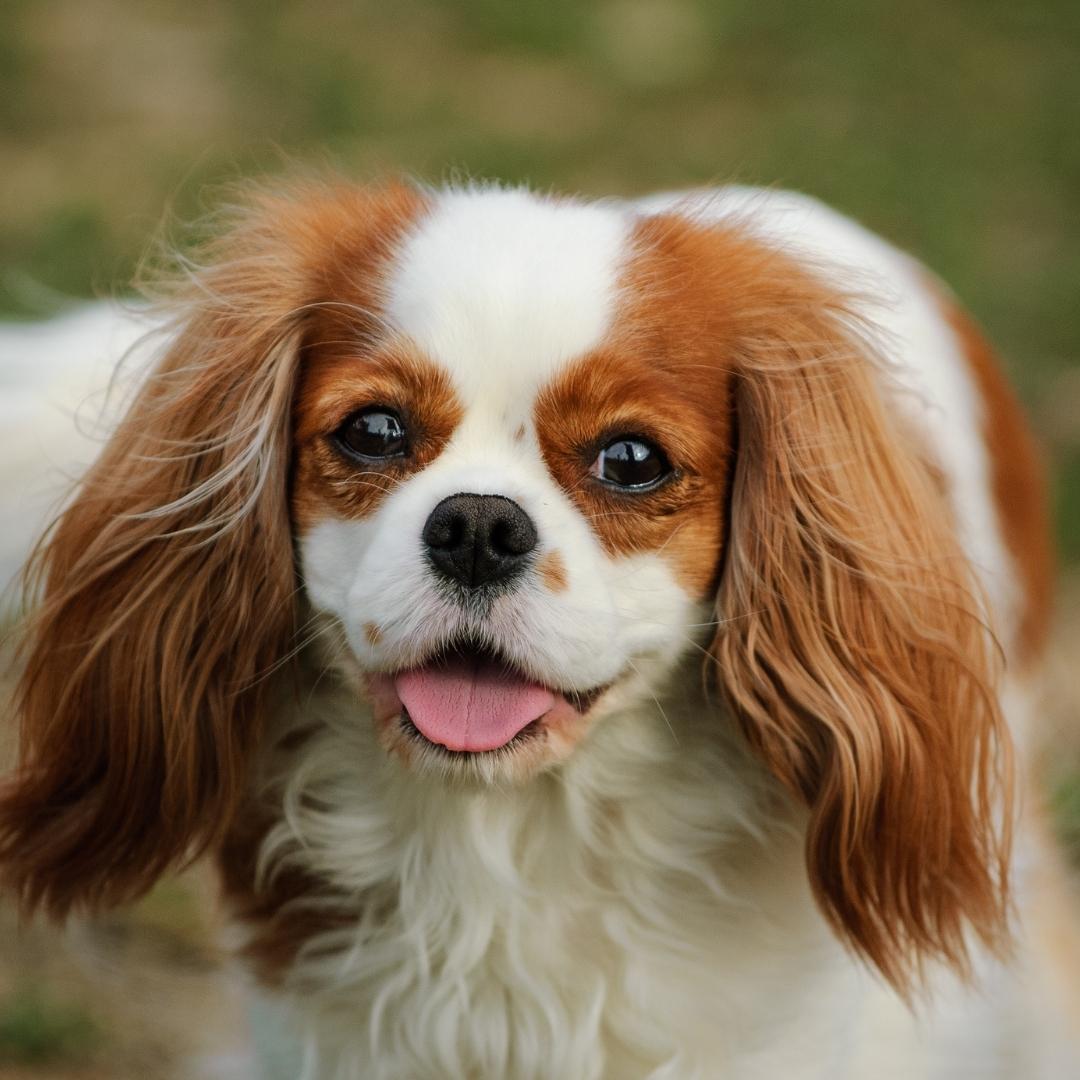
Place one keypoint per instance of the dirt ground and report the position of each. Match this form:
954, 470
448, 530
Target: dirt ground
146, 994
139, 996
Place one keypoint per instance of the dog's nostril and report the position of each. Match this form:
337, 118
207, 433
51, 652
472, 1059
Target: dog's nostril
479, 539
445, 532
514, 535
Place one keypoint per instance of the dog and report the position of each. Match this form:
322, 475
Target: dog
593, 639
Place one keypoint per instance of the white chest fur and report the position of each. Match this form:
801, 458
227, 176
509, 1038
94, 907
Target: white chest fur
638, 915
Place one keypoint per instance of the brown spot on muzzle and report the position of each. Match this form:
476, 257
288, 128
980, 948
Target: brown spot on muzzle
552, 571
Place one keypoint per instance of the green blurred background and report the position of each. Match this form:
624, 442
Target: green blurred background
950, 126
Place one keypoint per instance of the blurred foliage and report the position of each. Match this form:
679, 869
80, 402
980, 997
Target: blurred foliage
1064, 807
952, 128
36, 1029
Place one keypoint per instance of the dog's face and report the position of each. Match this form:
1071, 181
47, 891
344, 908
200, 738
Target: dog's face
523, 456
509, 490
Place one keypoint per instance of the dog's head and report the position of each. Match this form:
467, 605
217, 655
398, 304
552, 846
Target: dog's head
510, 479
512, 460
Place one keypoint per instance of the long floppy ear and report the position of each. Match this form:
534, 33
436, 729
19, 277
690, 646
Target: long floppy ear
853, 646
166, 591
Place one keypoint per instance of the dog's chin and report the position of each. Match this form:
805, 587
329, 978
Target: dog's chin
468, 714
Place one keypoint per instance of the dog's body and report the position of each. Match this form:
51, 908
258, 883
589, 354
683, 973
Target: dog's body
615, 884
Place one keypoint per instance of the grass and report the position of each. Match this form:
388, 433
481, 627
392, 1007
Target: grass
37, 1028
950, 128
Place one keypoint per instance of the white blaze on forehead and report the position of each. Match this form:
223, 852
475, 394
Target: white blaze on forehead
504, 287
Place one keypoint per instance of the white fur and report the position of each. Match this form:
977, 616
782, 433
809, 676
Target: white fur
54, 415
502, 287
643, 910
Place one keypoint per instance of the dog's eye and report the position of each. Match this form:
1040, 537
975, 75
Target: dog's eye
376, 432
631, 462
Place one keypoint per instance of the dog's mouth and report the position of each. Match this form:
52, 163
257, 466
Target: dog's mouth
470, 699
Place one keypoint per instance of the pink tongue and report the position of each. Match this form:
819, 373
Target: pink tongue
469, 704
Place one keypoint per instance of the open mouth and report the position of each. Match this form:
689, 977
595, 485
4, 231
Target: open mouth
470, 699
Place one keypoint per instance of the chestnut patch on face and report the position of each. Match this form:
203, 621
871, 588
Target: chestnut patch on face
640, 432
348, 239
362, 423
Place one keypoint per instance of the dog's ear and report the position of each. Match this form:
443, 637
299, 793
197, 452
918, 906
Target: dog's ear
852, 644
165, 593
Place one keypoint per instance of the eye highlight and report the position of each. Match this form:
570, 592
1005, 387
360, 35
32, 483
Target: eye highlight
374, 432
631, 462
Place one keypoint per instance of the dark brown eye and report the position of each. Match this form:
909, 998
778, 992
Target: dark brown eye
631, 462
376, 432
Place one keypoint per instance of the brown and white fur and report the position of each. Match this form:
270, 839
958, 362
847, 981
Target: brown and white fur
774, 826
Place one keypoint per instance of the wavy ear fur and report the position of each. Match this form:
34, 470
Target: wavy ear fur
853, 646
165, 592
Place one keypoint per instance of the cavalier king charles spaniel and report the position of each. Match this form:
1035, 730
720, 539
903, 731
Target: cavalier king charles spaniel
592, 639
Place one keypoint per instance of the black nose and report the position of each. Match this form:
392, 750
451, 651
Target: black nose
479, 539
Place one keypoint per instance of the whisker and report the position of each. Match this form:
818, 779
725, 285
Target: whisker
292, 653
656, 700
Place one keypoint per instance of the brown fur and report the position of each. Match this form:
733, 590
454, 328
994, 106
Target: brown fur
336, 381
167, 587
656, 377
552, 571
850, 642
